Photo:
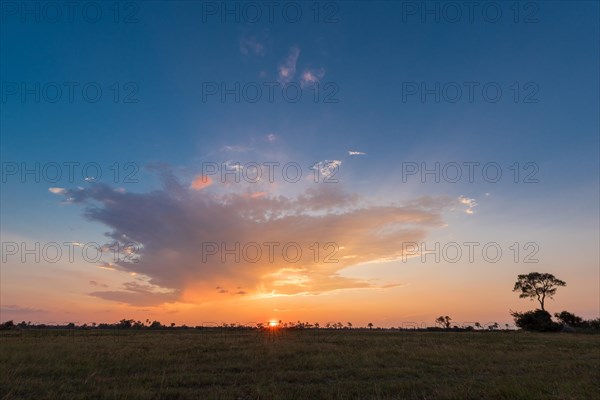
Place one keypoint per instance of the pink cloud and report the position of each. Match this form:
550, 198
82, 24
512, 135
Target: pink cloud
255, 195
201, 182
287, 69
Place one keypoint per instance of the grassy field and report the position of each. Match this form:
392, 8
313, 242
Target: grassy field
345, 364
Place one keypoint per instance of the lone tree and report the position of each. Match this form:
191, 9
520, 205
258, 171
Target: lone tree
444, 321
538, 286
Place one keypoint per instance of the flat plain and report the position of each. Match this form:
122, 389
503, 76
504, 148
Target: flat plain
311, 364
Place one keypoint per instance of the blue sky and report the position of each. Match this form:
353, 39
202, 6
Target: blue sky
369, 57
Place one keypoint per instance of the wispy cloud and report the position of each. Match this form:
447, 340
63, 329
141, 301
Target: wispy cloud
56, 190
137, 294
236, 149
287, 69
94, 283
312, 76
200, 182
15, 309
251, 45
230, 165
107, 266
327, 168
470, 203
356, 153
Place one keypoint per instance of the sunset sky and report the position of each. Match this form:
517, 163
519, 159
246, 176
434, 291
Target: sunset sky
341, 166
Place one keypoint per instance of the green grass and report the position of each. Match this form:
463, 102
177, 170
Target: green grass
345, 364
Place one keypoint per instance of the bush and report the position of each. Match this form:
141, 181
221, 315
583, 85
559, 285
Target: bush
537, 320
594, 324
567, 318
571, 320
7, 325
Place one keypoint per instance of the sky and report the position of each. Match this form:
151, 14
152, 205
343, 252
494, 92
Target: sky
203, 162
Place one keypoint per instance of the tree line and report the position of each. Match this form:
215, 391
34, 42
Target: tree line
534, 286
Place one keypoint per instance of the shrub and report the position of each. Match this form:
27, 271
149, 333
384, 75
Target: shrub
7, 325
593, 324
537, 320
567, 318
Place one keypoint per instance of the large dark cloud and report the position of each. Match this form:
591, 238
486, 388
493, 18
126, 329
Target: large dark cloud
173, 223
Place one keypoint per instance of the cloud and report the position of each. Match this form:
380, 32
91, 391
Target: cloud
356, 153
94, 283
107, 266
15, 309
470, 203
230, 165
287, 69
56, 190
238, 292
271, 137
136, 294
255, 195
235, 149
250, 45
201, 182
175, 224
312, 76
327, 168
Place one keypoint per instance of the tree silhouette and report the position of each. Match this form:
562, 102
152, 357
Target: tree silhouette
538, 320
538, 286
155, 325
125, 323
444, 321
567, 318
7, 325
370, 325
